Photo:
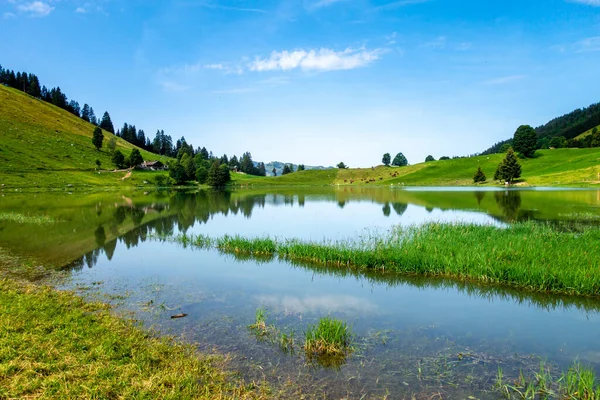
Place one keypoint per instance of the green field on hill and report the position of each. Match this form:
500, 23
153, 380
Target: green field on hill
43, 146
560, 167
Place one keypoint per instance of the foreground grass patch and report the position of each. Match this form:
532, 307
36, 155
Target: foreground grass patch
55, 345
532, 256
328, 341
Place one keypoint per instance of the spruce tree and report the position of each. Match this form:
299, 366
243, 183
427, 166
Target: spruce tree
106, 123
509, 169
97, 138
85, 113
118, 159
479, 176
135, 158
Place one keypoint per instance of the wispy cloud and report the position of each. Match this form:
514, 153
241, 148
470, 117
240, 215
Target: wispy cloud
316, 60
36, 9
464, 46
391, 39
322, 3
437, 43
504, 80
8, 15
588, 44
593, 3
170, 86
232, 8
398, 4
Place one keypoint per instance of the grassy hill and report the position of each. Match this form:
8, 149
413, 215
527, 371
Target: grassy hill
587, 133
43, 146
560, 167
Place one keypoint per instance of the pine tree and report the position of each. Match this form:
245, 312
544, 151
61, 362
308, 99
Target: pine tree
85, 113
286, 170
97, 138
118, 159
301, 167
135, 158
92, 117
509, 169
106, 123
479, 176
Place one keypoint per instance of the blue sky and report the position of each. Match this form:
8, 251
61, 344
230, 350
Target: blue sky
315, 81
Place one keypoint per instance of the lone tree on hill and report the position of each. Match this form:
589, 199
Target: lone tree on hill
341, 165
97, 138
274, 171
509, 169
429, 158
106, 123
400, 160
479, 176
135, 158
118, 159
387, 159
525, 141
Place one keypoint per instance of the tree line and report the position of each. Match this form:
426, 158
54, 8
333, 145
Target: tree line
562, 132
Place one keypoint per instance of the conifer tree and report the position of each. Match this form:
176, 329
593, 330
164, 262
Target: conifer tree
509, 169
479, 176
97, 138
106, 123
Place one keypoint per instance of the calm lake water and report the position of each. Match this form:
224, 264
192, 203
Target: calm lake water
413, 336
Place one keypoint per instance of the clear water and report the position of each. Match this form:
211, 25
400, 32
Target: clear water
413, 337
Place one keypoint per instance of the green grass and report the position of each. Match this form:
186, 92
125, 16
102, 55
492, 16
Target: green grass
26, 219
55, 345
586, 133
329, 336
560, 167
43, 146
532, 256
579, 382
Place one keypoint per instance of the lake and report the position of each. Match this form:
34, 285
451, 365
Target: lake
413, 336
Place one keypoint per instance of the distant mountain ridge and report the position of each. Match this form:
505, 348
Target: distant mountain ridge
570, 126
278, 165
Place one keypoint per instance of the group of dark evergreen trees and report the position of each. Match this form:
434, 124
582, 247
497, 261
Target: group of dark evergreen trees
202, 166
562, 132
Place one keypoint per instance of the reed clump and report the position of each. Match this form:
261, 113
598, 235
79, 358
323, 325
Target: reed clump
532, 256
579, 382
329, 337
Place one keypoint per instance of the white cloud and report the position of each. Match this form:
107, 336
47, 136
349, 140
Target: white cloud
80, 10
398, 4
36, 8
588, 44
322, 3
464, 46
170, 86
437, 43
391, 39
8, 15
316, 60
505, 80
594, 3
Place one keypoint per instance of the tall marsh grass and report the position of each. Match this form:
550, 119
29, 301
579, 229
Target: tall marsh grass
529, 255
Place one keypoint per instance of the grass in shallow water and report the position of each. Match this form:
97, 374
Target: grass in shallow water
531, 256
55, 345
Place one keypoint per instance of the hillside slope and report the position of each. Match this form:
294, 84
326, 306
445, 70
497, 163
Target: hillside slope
574, 125
560, 167
47, 147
